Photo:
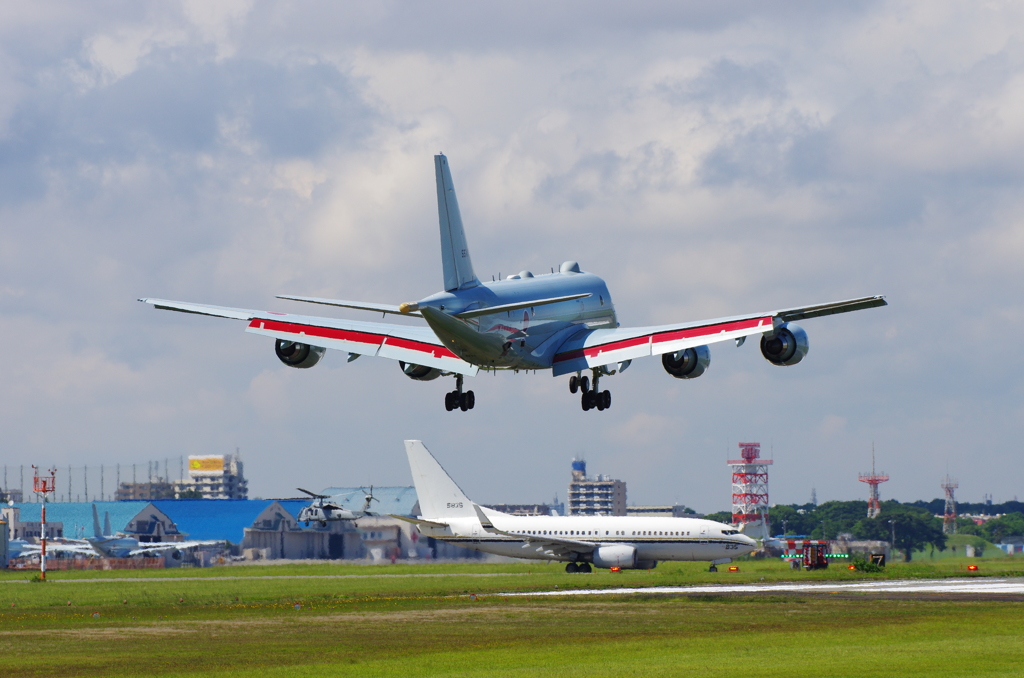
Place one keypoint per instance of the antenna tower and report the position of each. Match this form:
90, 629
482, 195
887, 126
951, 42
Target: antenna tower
873, 480
750, 486
949, 515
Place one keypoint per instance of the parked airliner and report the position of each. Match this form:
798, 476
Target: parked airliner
625, 542
561, 321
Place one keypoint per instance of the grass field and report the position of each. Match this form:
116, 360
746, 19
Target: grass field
417, 620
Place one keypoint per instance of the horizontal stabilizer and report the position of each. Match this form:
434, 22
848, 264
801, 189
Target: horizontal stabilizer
360, 305
476, 312
420, 521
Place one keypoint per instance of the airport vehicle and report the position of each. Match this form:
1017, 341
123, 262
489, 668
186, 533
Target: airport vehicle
321, 510
563, 321
108, 545
624, 542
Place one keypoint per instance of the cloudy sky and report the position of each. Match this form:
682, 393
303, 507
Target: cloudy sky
704, 160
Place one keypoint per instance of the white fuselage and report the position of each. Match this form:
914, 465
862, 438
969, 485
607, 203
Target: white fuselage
654, 538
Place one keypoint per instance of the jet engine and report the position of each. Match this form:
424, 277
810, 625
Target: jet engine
294, 354
419, 372
615, 555
689, 363
786, 346
176, 554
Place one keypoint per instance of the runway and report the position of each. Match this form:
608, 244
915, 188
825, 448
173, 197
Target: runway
969, 588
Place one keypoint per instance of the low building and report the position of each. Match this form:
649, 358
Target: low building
155, 488
664, 511
526, 509
600, 496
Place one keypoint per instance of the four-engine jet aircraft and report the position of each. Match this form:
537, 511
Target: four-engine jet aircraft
563, 321
108, 545
581, 541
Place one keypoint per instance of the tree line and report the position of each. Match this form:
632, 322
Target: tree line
908, 527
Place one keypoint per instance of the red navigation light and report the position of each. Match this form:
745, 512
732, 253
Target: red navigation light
851, 567
972, 568
615, 569
734, 568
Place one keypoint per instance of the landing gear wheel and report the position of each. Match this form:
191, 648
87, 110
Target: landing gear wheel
598, 401
574, 383
571, 568
606, 399
585, 401
585, 568
449, 401
464, 401
471, 399
712, 569
584, 384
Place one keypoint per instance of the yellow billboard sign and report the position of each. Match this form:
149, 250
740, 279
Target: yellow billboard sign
206, 464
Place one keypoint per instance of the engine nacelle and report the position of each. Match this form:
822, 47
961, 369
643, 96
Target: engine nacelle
615, 555
785, 346
689, 363
294, 354
419, 372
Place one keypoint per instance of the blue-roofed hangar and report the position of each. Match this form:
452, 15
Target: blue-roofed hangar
252, 529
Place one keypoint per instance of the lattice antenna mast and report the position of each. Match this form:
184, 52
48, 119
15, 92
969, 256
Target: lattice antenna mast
873, 480
750, 486
43, 486
949, 515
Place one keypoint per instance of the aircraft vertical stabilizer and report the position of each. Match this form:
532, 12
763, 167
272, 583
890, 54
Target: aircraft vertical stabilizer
458, 269
439, 497
96, 531
106, 524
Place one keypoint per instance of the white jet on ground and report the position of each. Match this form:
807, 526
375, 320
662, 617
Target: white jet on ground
625, 542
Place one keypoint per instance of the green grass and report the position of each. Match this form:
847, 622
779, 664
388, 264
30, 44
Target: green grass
380, 625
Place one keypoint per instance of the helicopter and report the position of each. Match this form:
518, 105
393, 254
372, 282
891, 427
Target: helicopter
321, 510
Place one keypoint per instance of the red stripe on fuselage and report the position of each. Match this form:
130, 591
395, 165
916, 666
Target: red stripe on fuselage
352, 336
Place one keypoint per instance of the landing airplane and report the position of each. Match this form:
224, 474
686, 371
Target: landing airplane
321, 510
106, 545
625, 542
564, 322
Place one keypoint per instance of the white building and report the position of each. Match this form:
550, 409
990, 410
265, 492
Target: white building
213, 476
600, 496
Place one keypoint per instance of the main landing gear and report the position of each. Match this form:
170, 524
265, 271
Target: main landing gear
592, 397
573, 568
458, 399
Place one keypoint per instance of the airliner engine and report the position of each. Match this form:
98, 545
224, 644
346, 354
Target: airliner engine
786, 346
689, 363
419, 372
294, 354
615, 555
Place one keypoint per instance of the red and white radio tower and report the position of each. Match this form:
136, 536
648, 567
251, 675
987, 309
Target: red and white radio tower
873, 480
949, 515
750, 488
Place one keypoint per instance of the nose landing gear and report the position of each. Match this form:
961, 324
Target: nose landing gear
459, 399
591, 397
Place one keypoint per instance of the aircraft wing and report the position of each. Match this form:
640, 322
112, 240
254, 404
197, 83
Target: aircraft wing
548, 545
160, 547
411, 344
595, 348
419, 521
34, 549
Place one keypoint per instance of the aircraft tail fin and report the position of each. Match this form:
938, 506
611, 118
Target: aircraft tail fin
439, 497
106, 523
96, 531
458, 268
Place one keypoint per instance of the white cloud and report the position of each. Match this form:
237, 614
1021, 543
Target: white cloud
704, 160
